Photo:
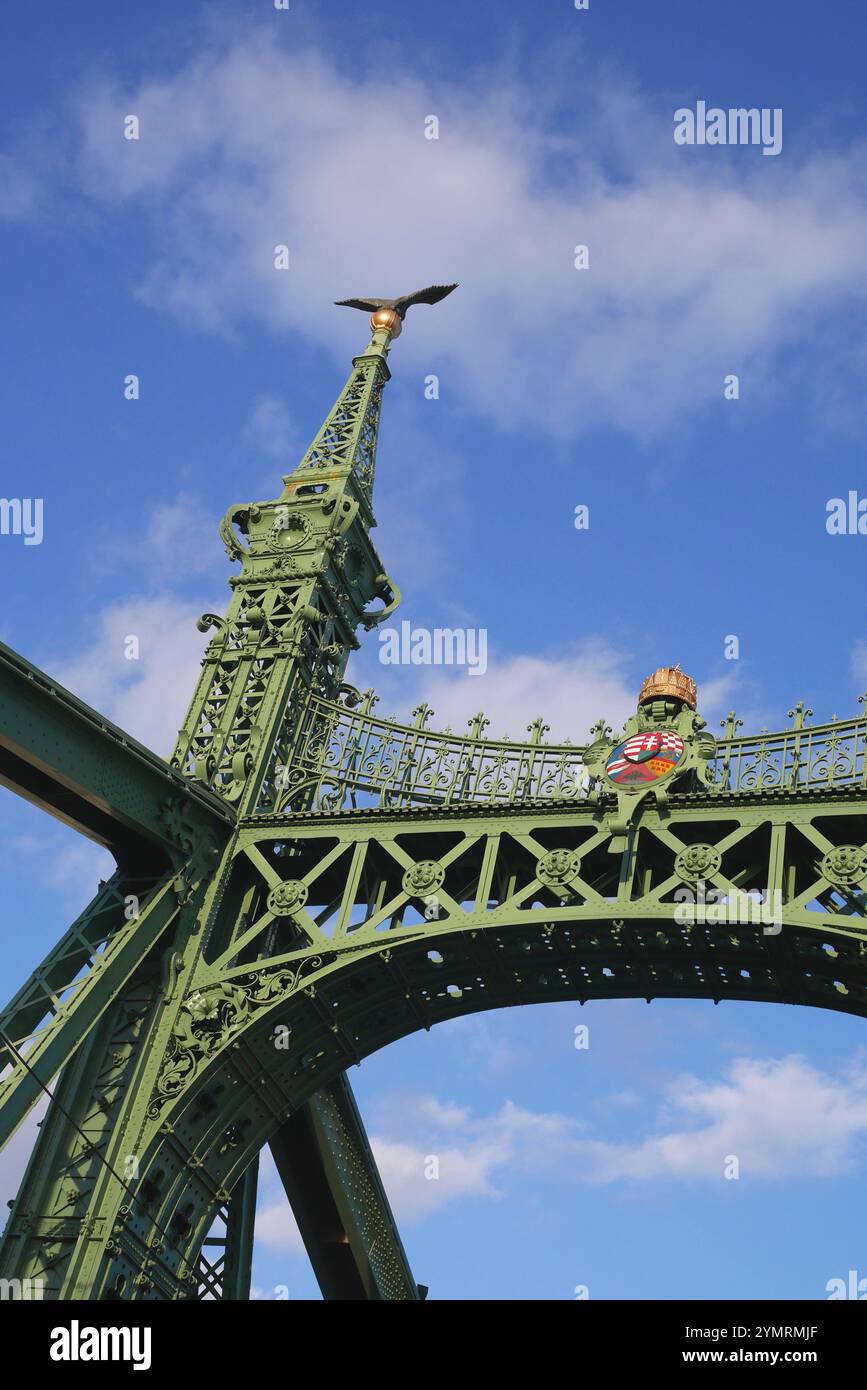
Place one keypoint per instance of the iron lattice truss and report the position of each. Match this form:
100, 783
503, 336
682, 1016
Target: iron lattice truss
305, 882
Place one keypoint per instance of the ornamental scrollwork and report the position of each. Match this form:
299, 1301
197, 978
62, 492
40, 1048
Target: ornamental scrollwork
208, 1018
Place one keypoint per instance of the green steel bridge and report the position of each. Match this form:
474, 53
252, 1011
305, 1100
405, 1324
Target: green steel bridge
304, 882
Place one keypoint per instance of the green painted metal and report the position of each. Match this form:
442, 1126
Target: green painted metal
225, 1264
165, 831
339, 756
377, 879
65, 757
339, 1203
63, 999
108, 999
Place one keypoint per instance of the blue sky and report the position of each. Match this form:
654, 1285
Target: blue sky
557, 387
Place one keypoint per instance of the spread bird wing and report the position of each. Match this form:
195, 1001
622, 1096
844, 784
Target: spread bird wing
370, 304
432, 295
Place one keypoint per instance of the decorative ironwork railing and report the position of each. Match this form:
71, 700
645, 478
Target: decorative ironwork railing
805, 757
340, 756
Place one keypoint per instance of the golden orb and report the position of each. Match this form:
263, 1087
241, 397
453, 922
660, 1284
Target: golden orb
669, 681
389, 319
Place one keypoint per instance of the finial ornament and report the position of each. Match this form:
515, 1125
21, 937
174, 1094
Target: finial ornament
389, 314
669, 681
388, 319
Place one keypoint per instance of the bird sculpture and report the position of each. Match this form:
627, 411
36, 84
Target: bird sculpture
432, 295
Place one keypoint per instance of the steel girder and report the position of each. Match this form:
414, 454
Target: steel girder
165, 830
114, 965
330, 1177
66, 758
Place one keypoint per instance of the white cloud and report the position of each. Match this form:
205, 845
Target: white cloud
697, 268
20, 189
276, 1227
147, 697
591, 680
180, 537
270, 430
472, 1153
571, 691
476, 1156
715, 695
444, 1114
463, 1172
75, 872
782, 1119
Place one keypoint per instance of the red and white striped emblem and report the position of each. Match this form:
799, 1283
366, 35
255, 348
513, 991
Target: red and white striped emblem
642, 746
645, 757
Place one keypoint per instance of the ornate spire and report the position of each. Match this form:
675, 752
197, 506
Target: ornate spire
347, 440
309, 572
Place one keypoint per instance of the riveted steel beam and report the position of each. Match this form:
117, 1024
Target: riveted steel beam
61, 755
333, 1185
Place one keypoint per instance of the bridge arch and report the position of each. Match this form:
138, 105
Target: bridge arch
285, 1034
